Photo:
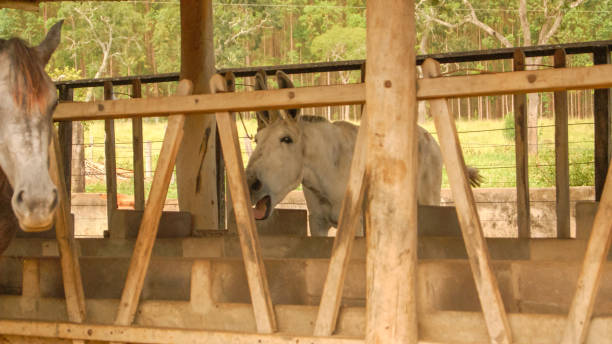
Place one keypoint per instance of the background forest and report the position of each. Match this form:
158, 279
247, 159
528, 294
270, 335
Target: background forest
109, 39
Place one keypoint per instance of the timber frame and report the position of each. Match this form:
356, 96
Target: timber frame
380, 176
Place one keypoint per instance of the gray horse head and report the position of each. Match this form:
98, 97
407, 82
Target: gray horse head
275, 167
29, 98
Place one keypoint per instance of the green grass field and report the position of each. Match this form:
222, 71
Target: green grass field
484, 145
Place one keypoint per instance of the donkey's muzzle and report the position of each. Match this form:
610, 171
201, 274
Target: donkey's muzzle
35, 210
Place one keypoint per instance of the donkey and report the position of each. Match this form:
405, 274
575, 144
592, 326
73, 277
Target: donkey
29, 99
293, 149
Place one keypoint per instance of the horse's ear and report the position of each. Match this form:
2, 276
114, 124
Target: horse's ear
46, 48
284, 82
261, 83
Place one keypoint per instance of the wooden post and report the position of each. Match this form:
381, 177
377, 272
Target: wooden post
602, 102
581, 310
475, 244
391, 170
110, 159
196, 162
562, 155
350, 220
245, 221
66, 94
522, 154
152, 214
138, 161
69, 257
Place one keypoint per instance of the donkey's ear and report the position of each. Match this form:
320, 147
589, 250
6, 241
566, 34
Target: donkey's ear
284, 82
264, 117
46, 48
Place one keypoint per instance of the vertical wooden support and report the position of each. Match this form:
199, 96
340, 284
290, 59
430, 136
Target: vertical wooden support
602, 107
196, 173
65, 139
71, 271
138, 160
110, 161
245, 221
152, 214
522, 155
391, 171
579, 317
475, 244
349, 221
562, 155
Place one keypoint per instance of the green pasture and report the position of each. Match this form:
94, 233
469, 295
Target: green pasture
487, 145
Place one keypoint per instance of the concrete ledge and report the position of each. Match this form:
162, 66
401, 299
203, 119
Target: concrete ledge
173, 224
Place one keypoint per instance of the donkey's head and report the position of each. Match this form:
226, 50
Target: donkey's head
275, 167
29, 98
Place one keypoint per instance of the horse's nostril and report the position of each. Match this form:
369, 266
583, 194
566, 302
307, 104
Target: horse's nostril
20, 197
256, 185
54, 202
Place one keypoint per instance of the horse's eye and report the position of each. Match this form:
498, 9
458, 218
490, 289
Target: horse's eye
286, 139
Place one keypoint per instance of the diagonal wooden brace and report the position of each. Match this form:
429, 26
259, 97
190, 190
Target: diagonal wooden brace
475, 245
245, 221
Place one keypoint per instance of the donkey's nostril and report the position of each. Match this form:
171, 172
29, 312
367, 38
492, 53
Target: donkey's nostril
54, 202
20, 197
256, 185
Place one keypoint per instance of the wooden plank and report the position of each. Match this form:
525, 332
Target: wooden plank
349, 221
548, 80
107, 333
152, 214
65, 139
245, 221
562, 155
137, 146
522, 154
391, 176
31, 6
602, 103
581, 310
475, 245
110, 162
71, 271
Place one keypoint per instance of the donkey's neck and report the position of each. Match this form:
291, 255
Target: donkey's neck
327, 158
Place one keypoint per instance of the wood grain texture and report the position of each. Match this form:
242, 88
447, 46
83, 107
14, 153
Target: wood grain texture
138, 157
391, 202
348, 223
471, 228
110, 158
562, 155
245, 221
522, 155
602, 102
147, 231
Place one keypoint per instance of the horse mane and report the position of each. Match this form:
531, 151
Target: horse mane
26, 74
313, 119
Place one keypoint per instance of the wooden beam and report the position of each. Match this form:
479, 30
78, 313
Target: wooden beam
548, 80
602, 102
581, 310
475, 244
31, 6
351, 215
196, 171
391, 176
65, 139
245, 221
522, 154
149, 335
147, 231
69, 257
562, 155
110, 161
138, 158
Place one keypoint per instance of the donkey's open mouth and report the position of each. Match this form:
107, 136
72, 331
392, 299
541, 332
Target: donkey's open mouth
262, 208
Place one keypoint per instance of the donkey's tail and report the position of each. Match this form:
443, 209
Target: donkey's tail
474, 176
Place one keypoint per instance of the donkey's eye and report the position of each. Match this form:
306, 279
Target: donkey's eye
286, 139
